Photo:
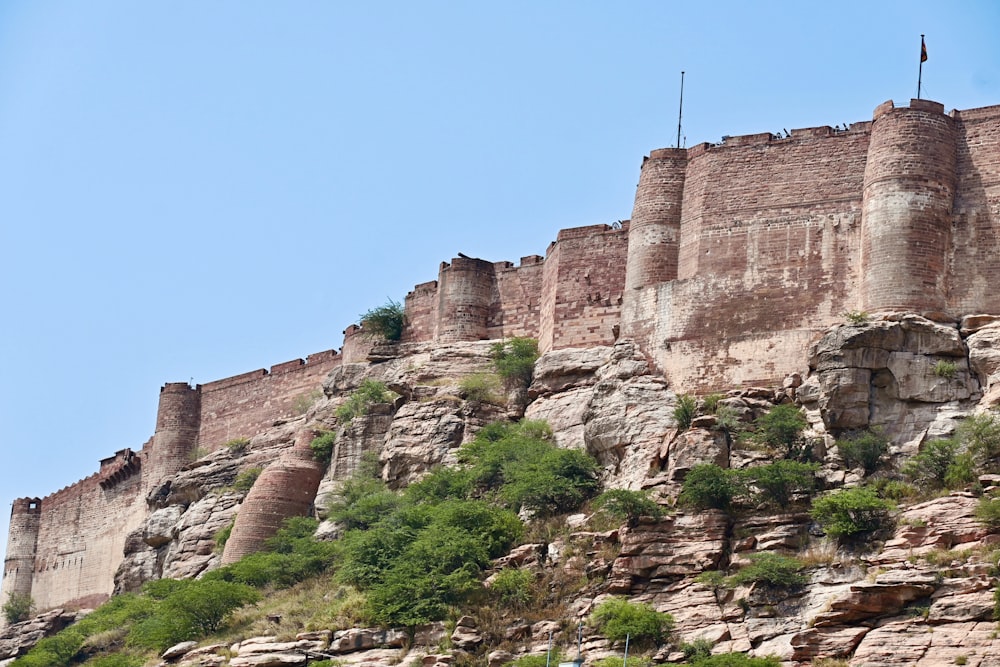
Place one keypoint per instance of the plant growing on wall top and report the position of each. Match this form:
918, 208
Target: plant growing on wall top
514, 360
385, 321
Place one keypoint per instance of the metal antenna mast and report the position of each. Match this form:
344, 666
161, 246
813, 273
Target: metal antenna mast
680, 112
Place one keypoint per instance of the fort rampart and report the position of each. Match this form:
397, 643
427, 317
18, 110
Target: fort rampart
737, 255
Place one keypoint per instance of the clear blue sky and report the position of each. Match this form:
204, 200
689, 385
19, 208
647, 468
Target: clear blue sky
190, 190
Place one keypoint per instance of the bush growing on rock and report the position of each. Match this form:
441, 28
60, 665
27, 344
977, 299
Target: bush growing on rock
769, 568
482, 388
520, 465
385, 321
514, 360
512, 587
707, 486
626, 505
245, 480
781, 427
864, 448
617, 618
851, 512
777, 482
736, 660
322, 447
369, 393
940, 464
988, 511
981, 436
18, 607
685, 411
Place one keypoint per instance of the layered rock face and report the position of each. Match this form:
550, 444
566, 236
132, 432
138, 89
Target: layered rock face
923, 596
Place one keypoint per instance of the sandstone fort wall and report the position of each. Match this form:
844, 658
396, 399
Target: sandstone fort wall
736, 257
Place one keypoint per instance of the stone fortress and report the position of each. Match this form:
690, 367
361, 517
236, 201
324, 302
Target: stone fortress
737, 256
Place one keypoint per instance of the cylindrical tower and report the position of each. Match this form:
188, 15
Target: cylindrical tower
286, 488
909, 190
654, 230
466, 289
178, 418
22, 544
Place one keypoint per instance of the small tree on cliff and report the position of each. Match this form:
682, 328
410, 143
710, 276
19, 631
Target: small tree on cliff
18, 607
514, 360
385, 321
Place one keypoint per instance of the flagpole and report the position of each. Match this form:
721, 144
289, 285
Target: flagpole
920, 74
680, 112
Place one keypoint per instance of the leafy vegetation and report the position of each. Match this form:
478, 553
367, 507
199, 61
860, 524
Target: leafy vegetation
512, 587
482, 388
857, 317
863, 449
770, 568
777, 482
945, 369
18, 607
988, 511
707, 486
617, 618
514, 360
851, 512
291, 556
322, 446
626, 505
385, 321
981, 436
781, 428
685, 411
736, 660
237, 445
940, 464
246, 478
369, 393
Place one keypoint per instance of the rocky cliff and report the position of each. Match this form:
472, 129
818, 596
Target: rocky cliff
921, 592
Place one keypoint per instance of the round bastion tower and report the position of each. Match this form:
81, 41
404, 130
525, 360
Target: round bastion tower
465, 291
178, 418
19, 564
909, 189
653, 237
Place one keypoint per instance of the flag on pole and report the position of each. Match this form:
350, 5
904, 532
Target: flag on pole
923, 51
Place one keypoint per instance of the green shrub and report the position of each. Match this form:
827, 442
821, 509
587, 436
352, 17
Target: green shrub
368, 393
685, 411
322, 446
736, 660
237, 445
864, 448
512, 587
245, 480
441, 483
222, 535
710, 403
727, 419
981, 435
385, 321
482, 388
707, 486
617, 618
291, 555
778, 481
697, 649
514, 360
940, 464
18, 607
630, 661
770, 568
519, 464
117, 660
190, 610
893, 489
988, 511
781, 427
626, 505
361, 502
945, 369
851, 512
542, 660
856, 316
